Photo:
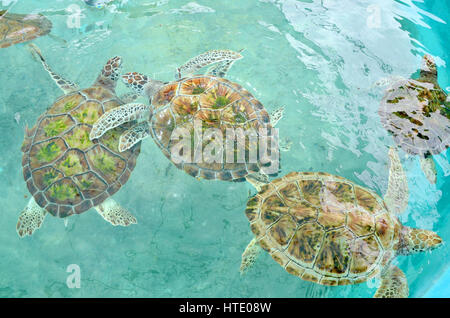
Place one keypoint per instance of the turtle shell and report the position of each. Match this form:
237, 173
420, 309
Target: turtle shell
203, 104
418, 117
64, 170
323, 228
18, 28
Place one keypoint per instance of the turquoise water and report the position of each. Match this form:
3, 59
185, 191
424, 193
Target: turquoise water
319, 59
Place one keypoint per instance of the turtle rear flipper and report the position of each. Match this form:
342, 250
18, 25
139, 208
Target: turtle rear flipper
393, 284
249, 256
112, 212
429, 168
397, 194
65, 85
30, 219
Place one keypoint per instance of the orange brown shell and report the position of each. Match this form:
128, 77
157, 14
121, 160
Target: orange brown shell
64, 170
214, 103
18, 28
324, 228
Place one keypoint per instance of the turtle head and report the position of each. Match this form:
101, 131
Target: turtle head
110, 73
141, 84
417, 240
428, 70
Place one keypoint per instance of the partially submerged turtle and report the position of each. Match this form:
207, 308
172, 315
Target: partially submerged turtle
197, 106
417, 114
65, 171
17, 28
328, 230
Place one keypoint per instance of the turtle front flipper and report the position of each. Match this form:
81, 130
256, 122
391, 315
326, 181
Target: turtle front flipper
397, 194
208, 58
30, 219
133, 135
257, 179
249, 256
393, 284
429, 168
116, 117
65, 85
221, 69
115, 214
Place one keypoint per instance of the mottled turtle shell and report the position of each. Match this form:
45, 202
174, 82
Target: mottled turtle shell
324, 228
417, 115
64, 170
18, 28
216, 103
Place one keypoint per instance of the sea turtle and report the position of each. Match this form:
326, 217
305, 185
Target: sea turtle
326, 229
417, 113
65, 171
206, 110
17, 28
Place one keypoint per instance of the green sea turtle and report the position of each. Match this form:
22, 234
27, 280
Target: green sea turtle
17, 28
417, 114
326, 229
65, 171
199, 105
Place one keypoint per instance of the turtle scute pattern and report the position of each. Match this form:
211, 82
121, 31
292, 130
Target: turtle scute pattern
417, 115
215, 103
64, 170
18, 28
323, 228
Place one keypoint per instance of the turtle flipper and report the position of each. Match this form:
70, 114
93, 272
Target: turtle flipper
112, 212
396, 197
276, 115
65, 85
257, 179
30, 219
393, 284
133, 135
221, 69
249, 256
205, 59
116, 117
429, 168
